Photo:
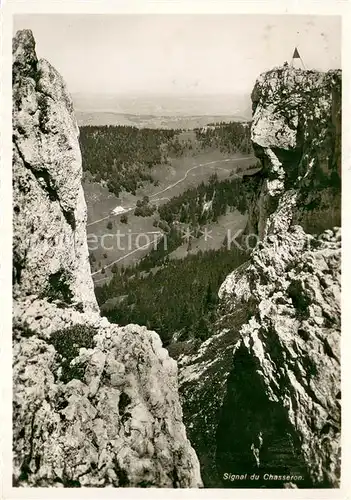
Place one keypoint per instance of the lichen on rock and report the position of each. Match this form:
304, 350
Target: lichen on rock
94, 404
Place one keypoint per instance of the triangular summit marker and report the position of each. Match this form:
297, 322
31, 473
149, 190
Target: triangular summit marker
296, 61
296, 54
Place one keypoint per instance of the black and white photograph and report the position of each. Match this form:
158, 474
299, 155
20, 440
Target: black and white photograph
176, 250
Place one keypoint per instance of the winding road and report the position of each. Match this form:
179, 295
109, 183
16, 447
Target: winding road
199, 165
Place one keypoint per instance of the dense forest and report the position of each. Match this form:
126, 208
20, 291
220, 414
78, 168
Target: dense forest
178, 297
207, 201
123, 156
197, 207
230, 137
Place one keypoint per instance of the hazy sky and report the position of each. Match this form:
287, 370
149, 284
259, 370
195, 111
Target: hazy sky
173, 54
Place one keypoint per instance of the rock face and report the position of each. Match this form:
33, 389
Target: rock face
296, 132
262, 396
50, 248
94, 404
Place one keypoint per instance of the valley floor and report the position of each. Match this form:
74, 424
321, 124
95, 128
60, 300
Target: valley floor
114, 242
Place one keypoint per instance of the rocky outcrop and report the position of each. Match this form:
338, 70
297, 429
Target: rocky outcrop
286, 364
94, 404
296, 132
262, 396
50, 247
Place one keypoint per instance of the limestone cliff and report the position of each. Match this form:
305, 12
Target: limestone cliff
262, 396
296, 132
94, 404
